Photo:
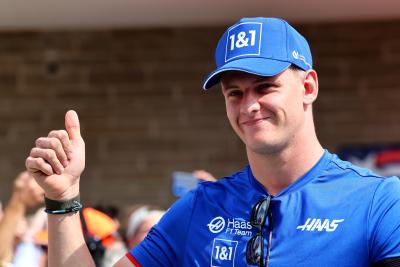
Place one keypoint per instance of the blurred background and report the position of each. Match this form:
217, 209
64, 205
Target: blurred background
133, 72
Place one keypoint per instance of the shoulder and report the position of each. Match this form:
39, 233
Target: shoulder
340, 167
230, 189
231, 184
211, 193
361, 181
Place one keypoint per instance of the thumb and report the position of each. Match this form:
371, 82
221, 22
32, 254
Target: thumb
72, 125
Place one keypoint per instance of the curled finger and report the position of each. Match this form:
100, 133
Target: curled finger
54, 144
34, 165
48, 155
62, 135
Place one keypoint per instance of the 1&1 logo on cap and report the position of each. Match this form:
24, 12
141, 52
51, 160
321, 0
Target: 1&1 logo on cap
243, 39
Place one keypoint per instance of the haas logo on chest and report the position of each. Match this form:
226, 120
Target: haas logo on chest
315, 224
216, 225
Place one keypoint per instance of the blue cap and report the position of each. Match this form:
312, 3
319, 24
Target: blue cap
260, 46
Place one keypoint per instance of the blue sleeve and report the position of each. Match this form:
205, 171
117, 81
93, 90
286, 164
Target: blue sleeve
384, 222
165, 244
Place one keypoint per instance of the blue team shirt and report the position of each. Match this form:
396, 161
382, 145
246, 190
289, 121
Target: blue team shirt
335, 215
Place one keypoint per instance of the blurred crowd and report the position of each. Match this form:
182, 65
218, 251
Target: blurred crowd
109, 232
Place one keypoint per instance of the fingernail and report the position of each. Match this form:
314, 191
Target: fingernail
65, 163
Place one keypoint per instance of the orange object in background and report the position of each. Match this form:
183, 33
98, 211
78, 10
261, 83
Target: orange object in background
98, 225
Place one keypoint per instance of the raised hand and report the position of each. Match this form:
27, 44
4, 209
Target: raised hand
26, 190
58, 160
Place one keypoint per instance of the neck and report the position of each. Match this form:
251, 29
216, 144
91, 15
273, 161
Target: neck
276, 171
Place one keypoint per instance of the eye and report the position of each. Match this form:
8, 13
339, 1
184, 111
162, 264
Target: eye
264, 87
234, 93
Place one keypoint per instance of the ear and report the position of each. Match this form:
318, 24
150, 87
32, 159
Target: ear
310, 87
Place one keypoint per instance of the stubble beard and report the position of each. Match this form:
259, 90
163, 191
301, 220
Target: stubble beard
268, 147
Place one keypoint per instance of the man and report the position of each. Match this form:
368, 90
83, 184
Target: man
294, 205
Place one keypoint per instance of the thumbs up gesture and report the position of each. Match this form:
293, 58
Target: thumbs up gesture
58, 160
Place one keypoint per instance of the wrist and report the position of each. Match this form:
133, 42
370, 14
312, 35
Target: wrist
71, 193
16, 203
63, 207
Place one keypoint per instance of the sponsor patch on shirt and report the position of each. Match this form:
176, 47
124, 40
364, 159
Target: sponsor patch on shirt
223, 253
315, 224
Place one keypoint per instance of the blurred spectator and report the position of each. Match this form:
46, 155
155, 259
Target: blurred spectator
32, 251
138, 221
100, 233
204, 175
26, 194
184, 182
116, 249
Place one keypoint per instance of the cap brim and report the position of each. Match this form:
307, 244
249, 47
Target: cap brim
257, 66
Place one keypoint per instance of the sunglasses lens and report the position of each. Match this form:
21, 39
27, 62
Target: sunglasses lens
260, 212
255, 246
254, 251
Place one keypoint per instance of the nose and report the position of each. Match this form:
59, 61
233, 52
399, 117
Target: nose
250, 104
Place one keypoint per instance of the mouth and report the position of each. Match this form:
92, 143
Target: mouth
254, 121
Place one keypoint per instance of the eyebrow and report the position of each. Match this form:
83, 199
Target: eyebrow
267, 79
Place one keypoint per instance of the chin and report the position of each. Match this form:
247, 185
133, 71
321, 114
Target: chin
266, 148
